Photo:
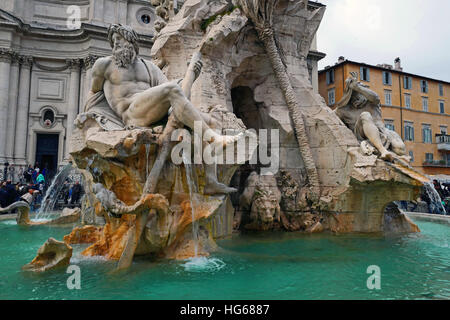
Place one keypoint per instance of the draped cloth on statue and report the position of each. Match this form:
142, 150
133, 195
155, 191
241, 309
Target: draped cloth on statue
97, 108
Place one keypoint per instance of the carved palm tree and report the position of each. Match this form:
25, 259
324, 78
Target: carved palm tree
260, 12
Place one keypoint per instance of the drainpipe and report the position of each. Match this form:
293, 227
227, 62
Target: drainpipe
401, 105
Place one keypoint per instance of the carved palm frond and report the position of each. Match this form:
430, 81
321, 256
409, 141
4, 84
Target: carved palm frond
260, 12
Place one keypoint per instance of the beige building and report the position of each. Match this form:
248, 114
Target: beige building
415, 106
45, 63
45, 70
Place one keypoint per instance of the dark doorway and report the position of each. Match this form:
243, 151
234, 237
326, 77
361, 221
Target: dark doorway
47, 154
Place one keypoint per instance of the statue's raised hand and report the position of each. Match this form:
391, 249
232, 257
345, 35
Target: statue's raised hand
198, 68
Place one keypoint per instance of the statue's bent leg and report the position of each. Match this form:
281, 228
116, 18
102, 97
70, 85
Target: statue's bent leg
148, 106
371, 132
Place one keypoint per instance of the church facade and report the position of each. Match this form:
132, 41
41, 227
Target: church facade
47, 49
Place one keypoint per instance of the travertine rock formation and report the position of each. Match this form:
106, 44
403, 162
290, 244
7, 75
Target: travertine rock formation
120, 162
23, 215
53, 254
239, 75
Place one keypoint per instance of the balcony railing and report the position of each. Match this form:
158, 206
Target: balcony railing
443, 142
436, 163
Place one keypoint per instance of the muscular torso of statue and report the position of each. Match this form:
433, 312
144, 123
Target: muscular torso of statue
350, 115
124, 86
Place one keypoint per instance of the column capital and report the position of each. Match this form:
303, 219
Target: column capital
26, 61
15, 58
6, 55
89, 61
74, 64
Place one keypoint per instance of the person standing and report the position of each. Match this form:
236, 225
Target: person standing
5, 171
76, 192
3, 195
28, 174
40, 180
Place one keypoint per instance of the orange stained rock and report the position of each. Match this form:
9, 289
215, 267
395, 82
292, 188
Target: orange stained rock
113, 239
184, 250
412, 173
86, 234
186, 218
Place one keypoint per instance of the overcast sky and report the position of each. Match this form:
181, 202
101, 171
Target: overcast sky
378, 31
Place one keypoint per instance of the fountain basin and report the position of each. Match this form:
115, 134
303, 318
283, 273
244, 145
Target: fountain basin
256, 266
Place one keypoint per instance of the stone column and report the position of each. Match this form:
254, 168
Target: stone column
22, 110
5, 68
72, 110
83, 93
12, 108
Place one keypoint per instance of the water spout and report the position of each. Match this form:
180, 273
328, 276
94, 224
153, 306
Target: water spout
51, 196
147, 152
192, 190
435, 199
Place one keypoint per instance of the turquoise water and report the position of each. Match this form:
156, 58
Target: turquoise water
270, 266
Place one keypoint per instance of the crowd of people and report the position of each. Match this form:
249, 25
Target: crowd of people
35, 182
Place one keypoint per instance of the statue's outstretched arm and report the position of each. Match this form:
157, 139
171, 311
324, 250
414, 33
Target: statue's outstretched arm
192, 73
369, 94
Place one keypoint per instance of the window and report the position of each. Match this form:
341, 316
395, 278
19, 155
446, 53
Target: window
411, 154
407, 101
49, 115
426, 133
409, 131
331, 97
441, 107
387, 97
145, 18
443, 129
441, 90
330, 76
407, 83
425, 104
428, 157
387, 78
364, 74
424, 86
389, 124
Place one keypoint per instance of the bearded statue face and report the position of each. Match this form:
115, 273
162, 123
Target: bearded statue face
358, 100
124, 52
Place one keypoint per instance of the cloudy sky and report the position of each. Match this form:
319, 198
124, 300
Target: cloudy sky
378, 31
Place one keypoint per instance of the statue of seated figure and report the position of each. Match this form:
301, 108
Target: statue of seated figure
360, 110
128, 91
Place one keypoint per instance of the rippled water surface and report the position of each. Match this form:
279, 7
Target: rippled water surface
269, 266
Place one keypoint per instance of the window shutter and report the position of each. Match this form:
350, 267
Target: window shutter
361, 73
368, 74
409, 83
390, 79
426, 86
328, 77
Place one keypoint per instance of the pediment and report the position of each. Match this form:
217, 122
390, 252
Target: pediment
9, 18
